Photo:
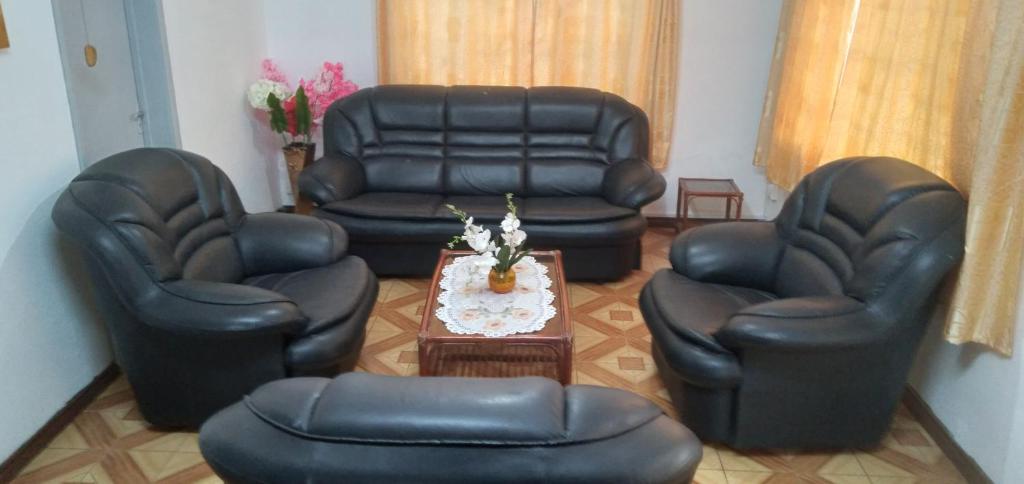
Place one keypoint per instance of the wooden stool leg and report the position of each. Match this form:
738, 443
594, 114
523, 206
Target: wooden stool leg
679, 200
686, 210
739, 208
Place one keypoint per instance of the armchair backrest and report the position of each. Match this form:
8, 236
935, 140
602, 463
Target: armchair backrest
485, 140
154, 214
877, 229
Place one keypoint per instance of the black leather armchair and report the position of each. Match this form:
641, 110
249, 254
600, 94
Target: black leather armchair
575, 158
217, 301
799, 333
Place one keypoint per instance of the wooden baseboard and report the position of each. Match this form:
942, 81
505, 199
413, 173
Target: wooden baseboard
17, 461
940, 434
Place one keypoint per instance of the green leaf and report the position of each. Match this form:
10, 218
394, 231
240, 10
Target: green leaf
278, 122
504, 254
303, 115
518, 257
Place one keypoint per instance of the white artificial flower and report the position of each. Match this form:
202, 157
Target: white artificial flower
510, 223
514, 239
471, 230
261, 89
480, 241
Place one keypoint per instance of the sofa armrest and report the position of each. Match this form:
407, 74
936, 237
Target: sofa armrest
216, 309
282, 242
332, 178
818, 323
736, 253
632, 183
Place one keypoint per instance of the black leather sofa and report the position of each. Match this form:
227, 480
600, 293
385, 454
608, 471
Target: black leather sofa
799, 333
378, 429
216, 301
574, 157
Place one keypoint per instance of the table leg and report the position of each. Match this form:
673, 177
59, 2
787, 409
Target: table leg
686, 209
679, 200
728, 208
739, 208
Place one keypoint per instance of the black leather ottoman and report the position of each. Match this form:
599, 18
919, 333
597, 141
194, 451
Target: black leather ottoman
370, 428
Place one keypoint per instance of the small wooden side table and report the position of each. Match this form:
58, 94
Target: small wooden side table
706, 187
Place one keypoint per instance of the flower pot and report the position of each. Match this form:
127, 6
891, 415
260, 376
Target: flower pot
298, 156
501, 282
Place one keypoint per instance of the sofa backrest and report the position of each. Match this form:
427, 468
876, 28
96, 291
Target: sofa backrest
485, 140
154, 214
877, 229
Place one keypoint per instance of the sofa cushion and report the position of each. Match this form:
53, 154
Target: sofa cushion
359, 407
564, 177
372, 408
326, 295
696, 310
571, 209
379, 429
483, 171
389, 205
488, 210
421, 168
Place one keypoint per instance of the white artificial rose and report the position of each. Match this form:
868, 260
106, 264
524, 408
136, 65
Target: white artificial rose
261, 89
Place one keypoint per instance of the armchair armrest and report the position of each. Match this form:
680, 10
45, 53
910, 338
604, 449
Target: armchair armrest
217, 309
632, 183
332, 178
805, 323
280, 242
735, 253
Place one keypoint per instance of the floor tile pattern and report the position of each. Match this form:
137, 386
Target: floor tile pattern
110, 442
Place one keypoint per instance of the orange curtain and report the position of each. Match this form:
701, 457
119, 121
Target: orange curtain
935, 83
622, 46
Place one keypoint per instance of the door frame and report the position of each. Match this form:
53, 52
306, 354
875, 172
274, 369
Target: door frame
150, 64
152, 69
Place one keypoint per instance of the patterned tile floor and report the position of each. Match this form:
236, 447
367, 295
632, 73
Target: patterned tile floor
110, 442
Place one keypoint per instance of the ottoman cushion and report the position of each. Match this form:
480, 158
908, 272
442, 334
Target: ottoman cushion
369, 428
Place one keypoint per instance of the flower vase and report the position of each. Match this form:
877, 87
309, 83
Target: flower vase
298, 156
501, 282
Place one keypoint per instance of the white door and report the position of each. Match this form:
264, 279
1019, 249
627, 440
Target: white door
104, 99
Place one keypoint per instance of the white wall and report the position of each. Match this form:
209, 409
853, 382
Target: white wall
725, 55
51, 343
979, 396
343, 32
215, 50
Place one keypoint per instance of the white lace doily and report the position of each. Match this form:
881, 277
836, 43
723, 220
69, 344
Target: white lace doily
468, 306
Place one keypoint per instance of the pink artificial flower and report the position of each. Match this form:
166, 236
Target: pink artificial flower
273, 73
328, 86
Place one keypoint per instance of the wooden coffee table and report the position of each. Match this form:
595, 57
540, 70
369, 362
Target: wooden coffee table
547, 352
